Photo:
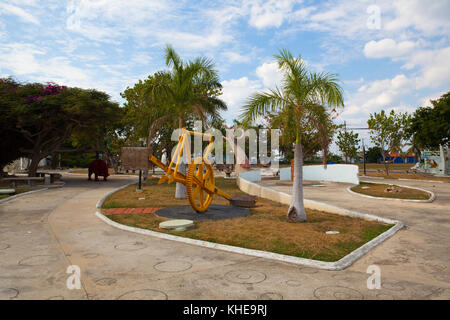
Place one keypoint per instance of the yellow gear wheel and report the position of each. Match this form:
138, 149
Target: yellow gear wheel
199, 176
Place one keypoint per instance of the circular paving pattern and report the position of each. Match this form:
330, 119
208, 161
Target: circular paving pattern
106, 281
87, 233
4, 246
214, 212
38, 260
172, 266
144, 294
442, 277
341, 276
337, 293
8, 293
308, 270
29, 222
432, 268
245, 276
393, 286
293, 283
271, 296
131, 246
383, 296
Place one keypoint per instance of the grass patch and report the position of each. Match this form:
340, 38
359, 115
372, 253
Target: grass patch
264, 229
397, 175
378, 190
392, 166
18, 191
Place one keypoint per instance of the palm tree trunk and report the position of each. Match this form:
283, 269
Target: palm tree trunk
180, 190
296, 212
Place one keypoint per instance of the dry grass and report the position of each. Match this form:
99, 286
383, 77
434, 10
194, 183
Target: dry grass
395, 175
264, 229
392, 166
378, 190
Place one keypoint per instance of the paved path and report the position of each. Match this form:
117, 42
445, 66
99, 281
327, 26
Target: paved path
42, 234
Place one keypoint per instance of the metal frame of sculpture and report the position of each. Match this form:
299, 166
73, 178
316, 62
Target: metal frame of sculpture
199, 179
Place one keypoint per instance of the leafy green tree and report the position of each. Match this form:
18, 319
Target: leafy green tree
46, 115
430, 126
387, 131
12, 142
334, 157
373, 154
348, 141
302, 99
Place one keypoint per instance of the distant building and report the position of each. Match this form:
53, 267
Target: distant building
398, 158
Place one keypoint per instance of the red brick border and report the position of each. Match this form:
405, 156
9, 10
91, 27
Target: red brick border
130, 210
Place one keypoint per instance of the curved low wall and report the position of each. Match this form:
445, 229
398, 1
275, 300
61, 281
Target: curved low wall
251, 175
347, 173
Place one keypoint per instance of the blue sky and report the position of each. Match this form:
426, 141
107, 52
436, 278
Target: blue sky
399, 61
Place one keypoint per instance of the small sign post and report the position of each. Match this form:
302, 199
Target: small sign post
135, 158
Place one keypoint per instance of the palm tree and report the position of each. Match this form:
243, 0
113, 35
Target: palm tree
193, 89
302, 97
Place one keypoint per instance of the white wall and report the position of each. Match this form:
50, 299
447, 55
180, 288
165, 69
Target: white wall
252, 175
335, 172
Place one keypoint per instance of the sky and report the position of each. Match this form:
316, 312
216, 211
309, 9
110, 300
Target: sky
388, 54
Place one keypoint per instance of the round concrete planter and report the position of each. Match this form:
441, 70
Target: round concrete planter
431, 199
281, 197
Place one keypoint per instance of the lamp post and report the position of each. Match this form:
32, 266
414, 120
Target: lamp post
140, 170
364, 156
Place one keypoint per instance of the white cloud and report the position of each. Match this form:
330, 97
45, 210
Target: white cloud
387, 48
435, 67
19, 12
377, 95
269, 74
233, 57
425, 16
272, 13
19, 58
235, 92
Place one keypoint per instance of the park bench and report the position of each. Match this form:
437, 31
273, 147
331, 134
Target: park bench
219, 166
31, 180
228, 170
53, 176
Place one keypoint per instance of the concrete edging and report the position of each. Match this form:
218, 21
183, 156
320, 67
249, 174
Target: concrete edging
404, 179
264, 192
432, 195
338, 265
22, 194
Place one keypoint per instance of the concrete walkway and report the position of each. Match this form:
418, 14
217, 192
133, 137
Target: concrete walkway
42, 234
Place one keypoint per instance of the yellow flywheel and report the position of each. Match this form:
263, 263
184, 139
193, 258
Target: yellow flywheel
199, 183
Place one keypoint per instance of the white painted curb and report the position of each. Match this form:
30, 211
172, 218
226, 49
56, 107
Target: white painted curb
22, 194
404, 179
432, 195
338, 265
102, 200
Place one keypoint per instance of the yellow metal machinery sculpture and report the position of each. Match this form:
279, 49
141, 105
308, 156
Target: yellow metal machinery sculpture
199, 179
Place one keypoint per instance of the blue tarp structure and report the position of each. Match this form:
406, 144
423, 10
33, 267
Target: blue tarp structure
398, 159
